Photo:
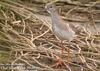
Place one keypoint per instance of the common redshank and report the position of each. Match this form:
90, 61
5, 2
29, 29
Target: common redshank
59, 28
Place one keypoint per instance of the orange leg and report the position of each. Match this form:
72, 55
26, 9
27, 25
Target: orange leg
59, 60
62, 48
68, 50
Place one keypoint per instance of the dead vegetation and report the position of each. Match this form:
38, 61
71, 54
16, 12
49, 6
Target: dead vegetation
26, 37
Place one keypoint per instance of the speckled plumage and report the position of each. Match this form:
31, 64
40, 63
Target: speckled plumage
61, 29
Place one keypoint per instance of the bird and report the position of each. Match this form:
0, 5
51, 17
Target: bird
60, 29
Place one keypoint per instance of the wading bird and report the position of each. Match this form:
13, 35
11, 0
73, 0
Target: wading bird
59, 28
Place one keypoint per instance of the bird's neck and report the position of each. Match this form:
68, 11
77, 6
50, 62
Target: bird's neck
55, 17
55, 14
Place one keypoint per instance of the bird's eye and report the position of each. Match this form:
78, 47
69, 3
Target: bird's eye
51, 7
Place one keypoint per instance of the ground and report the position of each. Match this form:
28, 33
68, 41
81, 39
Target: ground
26, 37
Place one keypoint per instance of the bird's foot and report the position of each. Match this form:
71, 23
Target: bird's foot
59, 63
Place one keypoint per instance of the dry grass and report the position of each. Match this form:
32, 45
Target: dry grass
25, 38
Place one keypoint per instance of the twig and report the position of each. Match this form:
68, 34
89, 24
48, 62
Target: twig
41, 35
42, 64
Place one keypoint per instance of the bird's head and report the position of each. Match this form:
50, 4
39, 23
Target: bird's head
50, 7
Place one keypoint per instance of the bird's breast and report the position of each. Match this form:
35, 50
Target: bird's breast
63, 34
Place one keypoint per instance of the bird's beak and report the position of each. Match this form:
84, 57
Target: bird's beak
45, 7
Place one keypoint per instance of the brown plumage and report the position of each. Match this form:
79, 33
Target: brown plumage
61, 29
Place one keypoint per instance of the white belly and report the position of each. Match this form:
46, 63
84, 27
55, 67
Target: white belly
64, 34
